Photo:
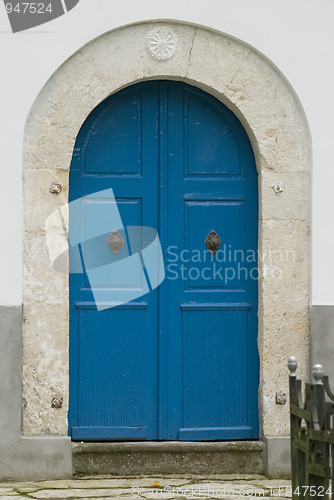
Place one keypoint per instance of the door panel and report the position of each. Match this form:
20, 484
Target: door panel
113, 146
181, 362
212, 371
227, 219
113, 355
213, 328
112, 344
211, 148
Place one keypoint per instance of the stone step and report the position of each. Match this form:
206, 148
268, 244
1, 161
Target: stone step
168, 457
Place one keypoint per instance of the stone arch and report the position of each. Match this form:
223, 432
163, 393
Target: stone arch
271, 113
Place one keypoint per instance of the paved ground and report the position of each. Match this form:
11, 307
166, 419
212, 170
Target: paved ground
167, 487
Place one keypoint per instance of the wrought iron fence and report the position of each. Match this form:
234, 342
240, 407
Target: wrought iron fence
312, 435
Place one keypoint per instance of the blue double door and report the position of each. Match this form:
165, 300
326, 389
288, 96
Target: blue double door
181, 361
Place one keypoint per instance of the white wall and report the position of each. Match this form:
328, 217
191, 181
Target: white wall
297, 35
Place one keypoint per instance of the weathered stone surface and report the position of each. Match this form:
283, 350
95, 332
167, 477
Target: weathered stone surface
273, 113
284, 278
77, 493
39, 202
167, 458
293, 203
284, 314
41, 282
12, 497
158, 487
45, 369
215, 60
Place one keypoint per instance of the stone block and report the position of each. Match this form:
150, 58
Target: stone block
293, 203
41, 282
45, 369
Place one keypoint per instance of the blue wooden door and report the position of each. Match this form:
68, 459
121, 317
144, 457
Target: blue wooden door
180, 362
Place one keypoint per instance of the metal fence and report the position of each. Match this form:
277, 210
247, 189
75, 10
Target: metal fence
312, 435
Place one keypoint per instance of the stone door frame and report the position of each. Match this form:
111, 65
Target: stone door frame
269, 109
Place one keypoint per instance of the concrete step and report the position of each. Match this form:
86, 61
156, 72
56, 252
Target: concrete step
168, 457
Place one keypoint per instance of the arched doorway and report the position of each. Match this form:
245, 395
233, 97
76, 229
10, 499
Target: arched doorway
181, 362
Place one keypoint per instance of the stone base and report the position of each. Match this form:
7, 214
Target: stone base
23, 458
322, 339
277, 457
37, 459
168, 457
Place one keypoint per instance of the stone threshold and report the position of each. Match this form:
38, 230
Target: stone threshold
168, 457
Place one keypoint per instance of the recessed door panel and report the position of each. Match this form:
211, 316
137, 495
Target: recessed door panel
206, 409
212, 260
112, 146
211, 143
